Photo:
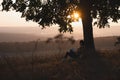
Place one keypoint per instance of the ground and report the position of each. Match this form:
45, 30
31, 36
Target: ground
44, 61
104, 65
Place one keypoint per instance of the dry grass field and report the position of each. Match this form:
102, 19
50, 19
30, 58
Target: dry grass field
44, 61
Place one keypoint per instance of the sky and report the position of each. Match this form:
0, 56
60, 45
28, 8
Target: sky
11, 19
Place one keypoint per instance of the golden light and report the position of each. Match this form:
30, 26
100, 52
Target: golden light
76, 15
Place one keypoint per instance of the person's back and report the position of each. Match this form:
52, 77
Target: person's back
80, 50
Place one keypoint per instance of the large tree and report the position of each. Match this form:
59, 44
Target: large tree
48, 12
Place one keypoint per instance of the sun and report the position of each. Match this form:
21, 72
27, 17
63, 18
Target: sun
76, 19
76, 15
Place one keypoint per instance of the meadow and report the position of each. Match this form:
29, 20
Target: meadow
44, 61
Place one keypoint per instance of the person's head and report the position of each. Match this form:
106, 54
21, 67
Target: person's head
81, 43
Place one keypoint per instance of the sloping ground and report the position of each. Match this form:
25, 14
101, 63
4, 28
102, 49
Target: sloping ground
105, 42
26, 48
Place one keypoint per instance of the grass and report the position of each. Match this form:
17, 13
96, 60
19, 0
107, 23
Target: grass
106, 66
26, 61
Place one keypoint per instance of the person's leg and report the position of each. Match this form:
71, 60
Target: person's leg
66, 55
72, 54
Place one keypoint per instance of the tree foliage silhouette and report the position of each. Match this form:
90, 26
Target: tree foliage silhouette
50, 12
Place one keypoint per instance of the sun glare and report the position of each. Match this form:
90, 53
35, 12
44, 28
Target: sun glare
75, 16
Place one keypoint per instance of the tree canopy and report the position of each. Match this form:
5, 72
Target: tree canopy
48, 12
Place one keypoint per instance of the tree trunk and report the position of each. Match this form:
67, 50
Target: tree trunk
88, 33
87, 24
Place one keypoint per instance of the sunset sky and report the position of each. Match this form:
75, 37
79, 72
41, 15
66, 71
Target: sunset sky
13, 19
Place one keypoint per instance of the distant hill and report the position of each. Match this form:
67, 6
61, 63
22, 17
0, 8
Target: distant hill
105, 42
100, 42
18, 37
